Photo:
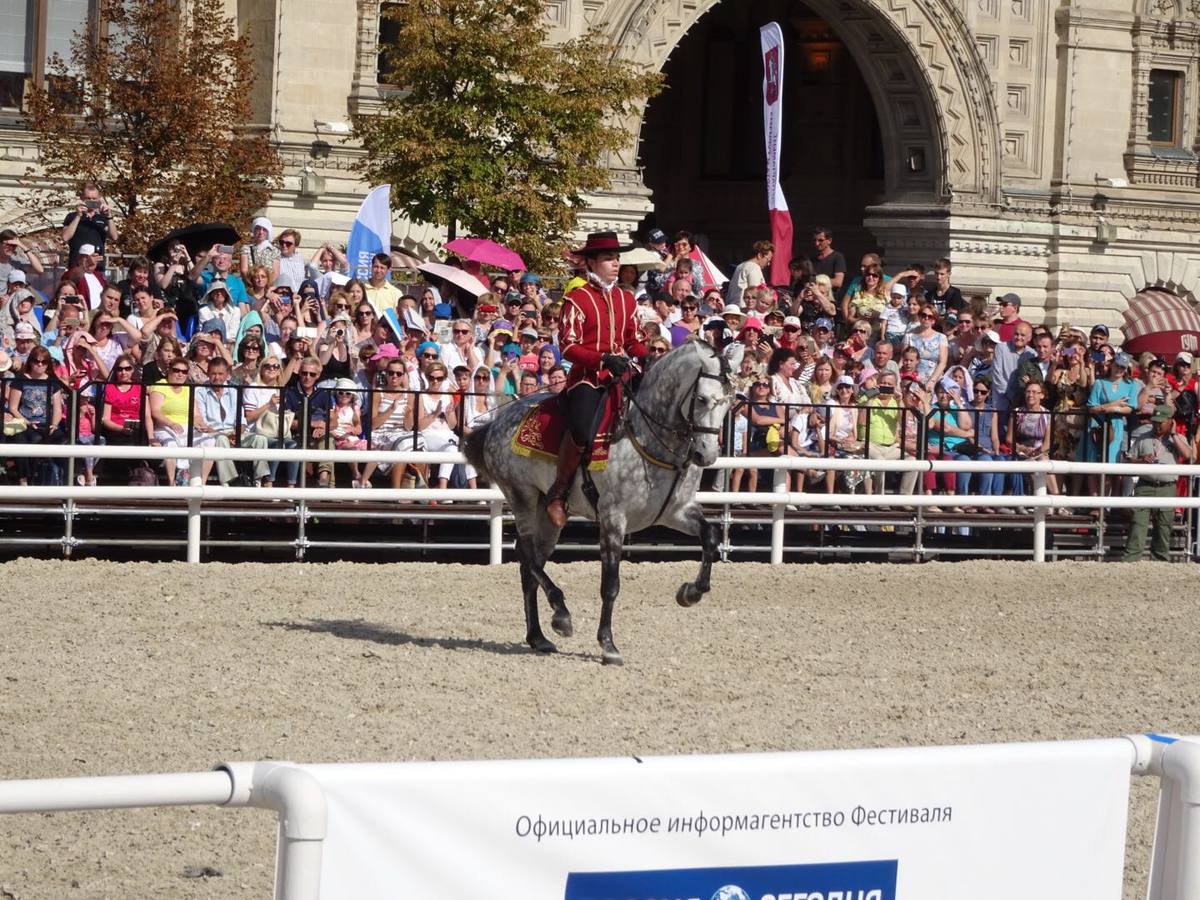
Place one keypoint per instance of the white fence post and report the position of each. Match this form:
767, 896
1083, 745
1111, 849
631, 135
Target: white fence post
1039, 518
193, 517
495, 532
783, 478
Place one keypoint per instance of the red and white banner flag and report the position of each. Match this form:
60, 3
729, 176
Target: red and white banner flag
781, 220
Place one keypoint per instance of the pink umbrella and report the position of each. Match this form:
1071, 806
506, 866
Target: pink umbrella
486, 252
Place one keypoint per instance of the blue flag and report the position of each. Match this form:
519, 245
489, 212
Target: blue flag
372, 231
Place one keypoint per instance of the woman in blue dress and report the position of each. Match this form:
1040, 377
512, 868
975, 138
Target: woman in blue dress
1113, 397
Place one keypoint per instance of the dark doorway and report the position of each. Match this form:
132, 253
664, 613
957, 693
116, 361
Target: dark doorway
702, 137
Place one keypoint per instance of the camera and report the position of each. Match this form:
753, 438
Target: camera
92, 204
1097, 356
886, 389
225, 248
339, 332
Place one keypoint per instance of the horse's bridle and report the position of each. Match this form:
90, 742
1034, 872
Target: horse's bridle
685, 436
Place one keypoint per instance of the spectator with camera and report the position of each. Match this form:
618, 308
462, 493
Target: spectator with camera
90, 224
17, 256
336, 351
216, 264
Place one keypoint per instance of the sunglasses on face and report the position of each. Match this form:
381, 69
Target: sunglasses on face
436, 378
658, 350
481, 378
179, 371
345, 393
124, 368
927, 316
394, 373
287, 243
271, 365
341, 306
462, 331
308, 374
429, 356
364, 312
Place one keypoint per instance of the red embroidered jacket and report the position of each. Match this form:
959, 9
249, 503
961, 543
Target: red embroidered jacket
594, 322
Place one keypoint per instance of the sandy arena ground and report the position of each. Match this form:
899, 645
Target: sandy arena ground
113, 668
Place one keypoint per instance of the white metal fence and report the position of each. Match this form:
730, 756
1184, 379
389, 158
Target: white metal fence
775, 501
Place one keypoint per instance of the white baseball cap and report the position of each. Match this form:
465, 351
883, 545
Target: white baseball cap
898, 288
16, 276
87, 250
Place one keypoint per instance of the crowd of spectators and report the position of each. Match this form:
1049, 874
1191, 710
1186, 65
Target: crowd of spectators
274, 345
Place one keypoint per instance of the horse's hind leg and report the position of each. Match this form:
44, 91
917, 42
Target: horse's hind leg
547, 540
529, 588
612, 537
690, 520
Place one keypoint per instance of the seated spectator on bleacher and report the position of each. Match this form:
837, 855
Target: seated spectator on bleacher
262, 402
215, 423
166, 350
248, 354
840, 437
219, 306
310, 407
36, 414
346, 424
206, 346
170, 404
880, 421
24, 340
948, 426
392, 420
17, 314
123, 420
436, 418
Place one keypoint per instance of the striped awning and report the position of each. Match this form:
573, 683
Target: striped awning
1153, 311
1162, 323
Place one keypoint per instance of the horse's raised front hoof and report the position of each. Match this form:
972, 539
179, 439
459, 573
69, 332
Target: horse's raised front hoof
561, 623
688, 594
541, 644
612, 657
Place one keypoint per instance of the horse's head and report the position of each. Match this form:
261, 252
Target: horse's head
714, 394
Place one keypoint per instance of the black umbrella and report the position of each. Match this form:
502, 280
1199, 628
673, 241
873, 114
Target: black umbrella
195, 237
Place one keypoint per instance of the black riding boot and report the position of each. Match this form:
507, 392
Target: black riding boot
569, 455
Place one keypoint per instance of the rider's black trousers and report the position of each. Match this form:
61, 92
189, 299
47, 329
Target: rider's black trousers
582, 404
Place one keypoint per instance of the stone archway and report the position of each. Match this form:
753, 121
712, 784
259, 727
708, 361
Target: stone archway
930, 86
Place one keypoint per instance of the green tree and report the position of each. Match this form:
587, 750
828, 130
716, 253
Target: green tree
151, 107
496, 128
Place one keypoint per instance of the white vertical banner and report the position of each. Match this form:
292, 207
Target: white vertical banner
771, 37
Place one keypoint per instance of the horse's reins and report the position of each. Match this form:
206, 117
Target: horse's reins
658, 427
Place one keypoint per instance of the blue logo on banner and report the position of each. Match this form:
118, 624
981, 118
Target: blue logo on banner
873, 880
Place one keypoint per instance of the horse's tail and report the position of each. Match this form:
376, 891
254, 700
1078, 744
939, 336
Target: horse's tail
472, 447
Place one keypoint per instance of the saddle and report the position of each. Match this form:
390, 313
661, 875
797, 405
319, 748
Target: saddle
540, 433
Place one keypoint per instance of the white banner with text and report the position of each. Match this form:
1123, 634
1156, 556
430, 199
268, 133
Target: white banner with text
985, 822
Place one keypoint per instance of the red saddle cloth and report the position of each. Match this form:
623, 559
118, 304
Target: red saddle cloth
541, 431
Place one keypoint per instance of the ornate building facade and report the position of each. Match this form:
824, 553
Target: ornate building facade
1048, 148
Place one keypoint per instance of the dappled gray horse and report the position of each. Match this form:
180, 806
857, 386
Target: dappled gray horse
669, 434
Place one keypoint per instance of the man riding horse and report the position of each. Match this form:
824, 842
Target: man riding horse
598, 335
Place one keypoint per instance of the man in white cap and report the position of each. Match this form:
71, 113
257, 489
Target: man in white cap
260, 251
91, 283
90, 224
